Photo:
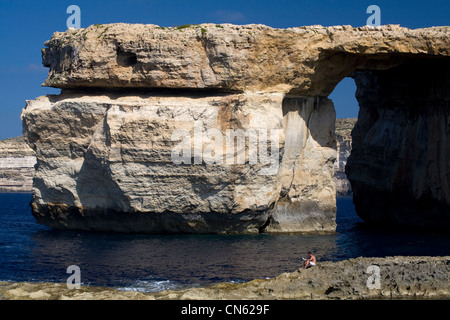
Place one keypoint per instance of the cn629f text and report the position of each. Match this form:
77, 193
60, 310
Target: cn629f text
230, 309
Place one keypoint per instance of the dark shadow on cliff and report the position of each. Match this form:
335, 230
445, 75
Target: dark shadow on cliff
399, 162
117, 93
95, 186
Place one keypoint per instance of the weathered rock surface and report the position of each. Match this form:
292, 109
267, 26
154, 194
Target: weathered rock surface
343, 131
17, 162
399, 278
59, 291
104, 146
110, 167
306, 60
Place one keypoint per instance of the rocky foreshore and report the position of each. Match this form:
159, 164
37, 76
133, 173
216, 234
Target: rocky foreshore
396, 277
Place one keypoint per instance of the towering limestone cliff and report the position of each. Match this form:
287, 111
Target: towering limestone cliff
219, 128
17, 162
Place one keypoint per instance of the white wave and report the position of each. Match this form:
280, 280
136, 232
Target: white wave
150, 286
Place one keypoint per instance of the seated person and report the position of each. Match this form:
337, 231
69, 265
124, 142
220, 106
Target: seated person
310, 262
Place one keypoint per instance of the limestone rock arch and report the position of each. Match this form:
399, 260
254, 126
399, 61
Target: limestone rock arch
127, 88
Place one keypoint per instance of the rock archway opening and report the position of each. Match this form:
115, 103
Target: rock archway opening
399, 167
346, 106
393, 143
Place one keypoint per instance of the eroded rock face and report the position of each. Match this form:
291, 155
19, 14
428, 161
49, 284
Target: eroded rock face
105, 147
307, 60
110, 166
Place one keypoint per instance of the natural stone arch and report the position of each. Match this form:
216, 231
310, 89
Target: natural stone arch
402, 179
141, 82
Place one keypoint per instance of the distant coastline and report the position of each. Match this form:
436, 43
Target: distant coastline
17, 162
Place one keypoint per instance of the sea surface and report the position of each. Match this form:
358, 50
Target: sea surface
33, 252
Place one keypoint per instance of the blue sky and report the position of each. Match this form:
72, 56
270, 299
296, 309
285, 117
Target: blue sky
25, 25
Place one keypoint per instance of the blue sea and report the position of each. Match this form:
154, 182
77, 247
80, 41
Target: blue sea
33, 252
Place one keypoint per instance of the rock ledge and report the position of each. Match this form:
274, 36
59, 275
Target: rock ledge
400, 278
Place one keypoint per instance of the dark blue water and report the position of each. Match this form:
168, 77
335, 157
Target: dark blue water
32, 252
